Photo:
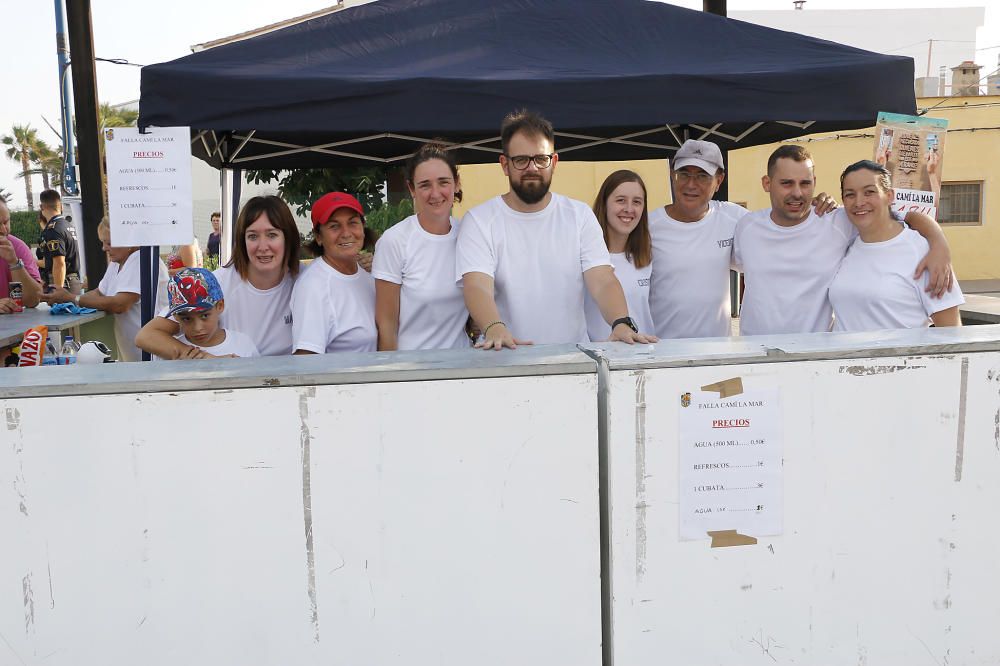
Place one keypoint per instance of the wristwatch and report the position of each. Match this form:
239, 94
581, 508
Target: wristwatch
19, 264
627, 321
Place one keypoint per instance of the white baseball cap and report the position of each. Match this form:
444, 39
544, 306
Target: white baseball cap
703, 154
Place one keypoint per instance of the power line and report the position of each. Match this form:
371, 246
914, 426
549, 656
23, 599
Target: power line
113, 61
924, 111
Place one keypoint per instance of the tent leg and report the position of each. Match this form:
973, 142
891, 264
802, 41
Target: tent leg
149, 270
232, 187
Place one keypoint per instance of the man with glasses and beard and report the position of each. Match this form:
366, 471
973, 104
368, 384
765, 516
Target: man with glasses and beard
526, 258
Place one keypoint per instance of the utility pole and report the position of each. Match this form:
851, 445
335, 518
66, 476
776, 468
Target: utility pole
735, 291
81, 44
714, 7
719, 7
69, 185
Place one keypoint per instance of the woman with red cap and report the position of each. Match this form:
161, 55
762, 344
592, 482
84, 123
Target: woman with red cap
418, 304
333, 303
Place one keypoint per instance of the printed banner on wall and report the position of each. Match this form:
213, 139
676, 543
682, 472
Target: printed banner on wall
731, 464
149, 186
912, 148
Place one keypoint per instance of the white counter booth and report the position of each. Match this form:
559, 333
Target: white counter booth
458, 508
343, 510
889, 552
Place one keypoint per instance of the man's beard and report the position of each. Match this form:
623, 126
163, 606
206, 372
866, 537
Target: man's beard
531, 191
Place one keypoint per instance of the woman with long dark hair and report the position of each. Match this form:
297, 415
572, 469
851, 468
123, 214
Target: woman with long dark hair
620, 208
874, 288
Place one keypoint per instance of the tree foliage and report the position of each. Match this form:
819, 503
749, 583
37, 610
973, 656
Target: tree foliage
24, 225
22, 146
300, 187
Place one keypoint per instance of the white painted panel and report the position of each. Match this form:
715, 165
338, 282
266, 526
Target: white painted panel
886, 559
452, 522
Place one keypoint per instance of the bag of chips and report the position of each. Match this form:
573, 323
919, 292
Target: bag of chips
33, 346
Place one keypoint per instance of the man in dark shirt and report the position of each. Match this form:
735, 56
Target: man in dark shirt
58, 243
215, 236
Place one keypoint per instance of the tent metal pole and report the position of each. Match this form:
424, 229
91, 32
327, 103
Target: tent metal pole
226, 241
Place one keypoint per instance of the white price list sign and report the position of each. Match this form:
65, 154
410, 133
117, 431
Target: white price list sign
730, 464
149, 186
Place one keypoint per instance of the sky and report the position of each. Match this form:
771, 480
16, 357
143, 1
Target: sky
30, 76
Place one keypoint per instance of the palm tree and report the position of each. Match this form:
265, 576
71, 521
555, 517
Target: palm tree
115, 116
49, 164
21, 144
6, 196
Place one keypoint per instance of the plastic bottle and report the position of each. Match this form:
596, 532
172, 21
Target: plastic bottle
51, 356
68, 354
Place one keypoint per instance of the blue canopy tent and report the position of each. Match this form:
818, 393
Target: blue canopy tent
622, 79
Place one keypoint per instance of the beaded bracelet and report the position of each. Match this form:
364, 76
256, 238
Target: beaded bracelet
487, 329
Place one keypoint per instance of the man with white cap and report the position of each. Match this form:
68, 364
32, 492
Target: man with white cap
692, 248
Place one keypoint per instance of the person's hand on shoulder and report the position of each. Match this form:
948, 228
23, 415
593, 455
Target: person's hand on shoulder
365, 259
937, 262
823, 203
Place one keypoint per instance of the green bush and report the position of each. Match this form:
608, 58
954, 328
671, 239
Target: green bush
382, 218
24, 225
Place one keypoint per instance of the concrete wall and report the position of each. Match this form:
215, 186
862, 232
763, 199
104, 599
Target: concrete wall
969, 156
444, 521
889, 467
442, 508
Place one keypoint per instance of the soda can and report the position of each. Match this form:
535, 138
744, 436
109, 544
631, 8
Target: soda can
17, 295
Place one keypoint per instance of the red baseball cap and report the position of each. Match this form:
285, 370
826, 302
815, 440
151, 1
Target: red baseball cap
323, 207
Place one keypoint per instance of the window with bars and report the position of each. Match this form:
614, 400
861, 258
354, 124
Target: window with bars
961, 203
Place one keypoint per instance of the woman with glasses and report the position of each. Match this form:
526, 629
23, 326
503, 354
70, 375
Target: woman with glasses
875, 288
620, 208
418, 304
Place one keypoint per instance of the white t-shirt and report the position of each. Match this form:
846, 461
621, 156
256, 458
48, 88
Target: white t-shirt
128, 278
537, 261
689, 294
432, 312
263, 314
635, 284
875, 290
788, 271
333, 312
235, 343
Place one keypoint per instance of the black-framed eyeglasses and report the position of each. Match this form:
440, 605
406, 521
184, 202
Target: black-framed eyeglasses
699, 177
520, 162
